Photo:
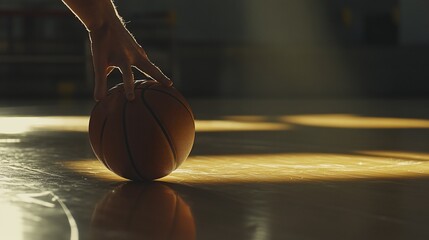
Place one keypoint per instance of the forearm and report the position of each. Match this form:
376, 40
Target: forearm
94, 14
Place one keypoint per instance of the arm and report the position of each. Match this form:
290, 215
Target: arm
112, 46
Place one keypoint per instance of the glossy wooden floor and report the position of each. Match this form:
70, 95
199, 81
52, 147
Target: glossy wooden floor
259, 170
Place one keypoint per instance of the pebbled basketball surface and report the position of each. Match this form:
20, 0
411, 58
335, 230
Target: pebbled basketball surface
146, 138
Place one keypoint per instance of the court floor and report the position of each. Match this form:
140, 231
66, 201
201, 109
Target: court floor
259, 170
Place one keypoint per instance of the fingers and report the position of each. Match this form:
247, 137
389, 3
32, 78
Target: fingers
146, 66
101, 74
128, 79
103, 67
100, 89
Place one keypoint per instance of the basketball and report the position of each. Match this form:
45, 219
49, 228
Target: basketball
146, 138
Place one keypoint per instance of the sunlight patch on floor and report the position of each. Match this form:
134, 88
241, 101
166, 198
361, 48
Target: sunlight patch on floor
20, 125
11, 221
287, 167
354, 121
237, 125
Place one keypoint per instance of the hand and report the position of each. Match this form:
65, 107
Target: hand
113, 46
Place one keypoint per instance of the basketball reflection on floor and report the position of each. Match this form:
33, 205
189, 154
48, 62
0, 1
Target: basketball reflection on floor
133, 210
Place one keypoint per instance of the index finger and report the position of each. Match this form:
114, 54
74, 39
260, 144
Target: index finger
146, 66
128, 79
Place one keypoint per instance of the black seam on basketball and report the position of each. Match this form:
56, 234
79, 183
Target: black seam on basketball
102, 158
175, 98
167, 136
127, 146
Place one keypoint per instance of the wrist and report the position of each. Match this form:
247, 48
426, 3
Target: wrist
105, 23
106, 18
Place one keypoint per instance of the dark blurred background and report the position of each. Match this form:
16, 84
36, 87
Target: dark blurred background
230, 49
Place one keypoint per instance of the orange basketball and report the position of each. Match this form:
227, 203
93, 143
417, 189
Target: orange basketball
146, 138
